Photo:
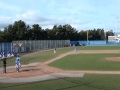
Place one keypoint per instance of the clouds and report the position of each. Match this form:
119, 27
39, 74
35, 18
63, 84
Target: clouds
8, 8
78, 13
44, 12
5, 21
33, 17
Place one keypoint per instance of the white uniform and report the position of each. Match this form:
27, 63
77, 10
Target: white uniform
17, 64
75, 50
54, 50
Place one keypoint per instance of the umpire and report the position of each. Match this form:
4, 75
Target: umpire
4, 64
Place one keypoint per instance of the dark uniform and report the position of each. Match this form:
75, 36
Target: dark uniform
4, 65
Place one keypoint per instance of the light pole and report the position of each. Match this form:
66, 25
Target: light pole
87, 37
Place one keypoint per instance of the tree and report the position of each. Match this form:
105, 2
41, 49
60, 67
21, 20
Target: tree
83, 35
9, 34
62, 32
109, 33
15, 31
36, 32
95, 34
1, 36
28, 33
19, 28
20, 31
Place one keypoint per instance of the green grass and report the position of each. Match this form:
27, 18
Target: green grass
99, 48
39, 56
87, 62
42, 56
74, 62
88, 82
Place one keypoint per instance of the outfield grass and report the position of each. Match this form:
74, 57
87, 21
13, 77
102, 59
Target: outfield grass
87, 62
74, 62
99, 48
88, 82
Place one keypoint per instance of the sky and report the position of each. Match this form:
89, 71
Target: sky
80, 14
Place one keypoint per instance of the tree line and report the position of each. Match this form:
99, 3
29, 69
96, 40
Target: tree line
19, 30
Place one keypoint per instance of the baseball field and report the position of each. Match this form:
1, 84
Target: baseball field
99, 64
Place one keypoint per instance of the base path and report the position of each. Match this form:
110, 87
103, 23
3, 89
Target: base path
41, 71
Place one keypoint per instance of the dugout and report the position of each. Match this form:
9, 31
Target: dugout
22, 47
16, 48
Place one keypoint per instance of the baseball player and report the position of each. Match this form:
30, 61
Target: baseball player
17, 63
75, 50
54, 50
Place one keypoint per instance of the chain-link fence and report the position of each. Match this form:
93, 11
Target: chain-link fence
35, 45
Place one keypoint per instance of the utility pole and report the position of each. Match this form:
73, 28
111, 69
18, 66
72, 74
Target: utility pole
117, 28
87, 37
